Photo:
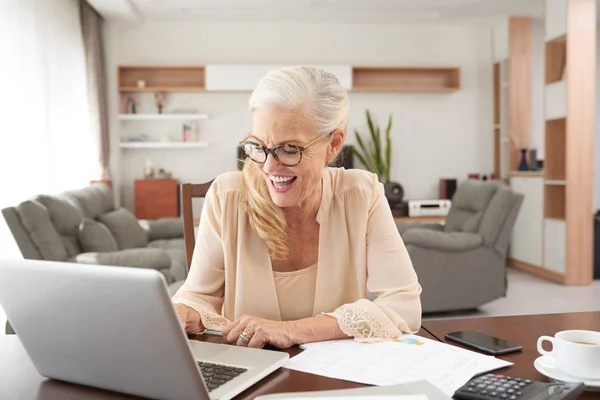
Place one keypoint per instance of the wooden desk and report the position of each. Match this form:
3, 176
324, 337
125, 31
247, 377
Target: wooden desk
20, 380
523, 329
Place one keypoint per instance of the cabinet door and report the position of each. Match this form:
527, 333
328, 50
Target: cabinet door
245, 77
156, 198
555, 237
527, 236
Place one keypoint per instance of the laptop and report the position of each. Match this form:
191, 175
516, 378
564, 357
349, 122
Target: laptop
115, 328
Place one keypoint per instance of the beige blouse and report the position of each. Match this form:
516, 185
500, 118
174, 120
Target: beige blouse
296, 293
360, 253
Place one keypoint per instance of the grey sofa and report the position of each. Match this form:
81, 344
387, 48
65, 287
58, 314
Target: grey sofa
84, 226
462, 265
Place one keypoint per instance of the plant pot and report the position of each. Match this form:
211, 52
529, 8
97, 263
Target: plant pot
394, 193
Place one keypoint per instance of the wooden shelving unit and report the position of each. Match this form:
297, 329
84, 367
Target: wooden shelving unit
161, 78
570, 108
364, 79
556, 59
554, 201
555, 162
497, 132
162, 117
405, 79
163, 145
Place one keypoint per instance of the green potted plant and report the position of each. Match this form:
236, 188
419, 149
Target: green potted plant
375, 154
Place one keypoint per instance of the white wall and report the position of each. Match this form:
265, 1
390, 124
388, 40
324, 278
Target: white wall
434, 135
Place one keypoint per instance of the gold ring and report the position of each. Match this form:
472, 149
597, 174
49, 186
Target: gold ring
245, 337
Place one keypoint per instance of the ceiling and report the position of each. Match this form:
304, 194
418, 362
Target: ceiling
334, 11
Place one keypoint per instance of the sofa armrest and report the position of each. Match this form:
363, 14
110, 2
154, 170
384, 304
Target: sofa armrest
140, 258
163, 228
442, 241
405, 226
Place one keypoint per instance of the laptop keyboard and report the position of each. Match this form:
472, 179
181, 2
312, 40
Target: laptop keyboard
216, 375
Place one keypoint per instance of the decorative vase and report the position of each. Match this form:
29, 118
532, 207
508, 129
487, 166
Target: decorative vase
523, 164
394, 192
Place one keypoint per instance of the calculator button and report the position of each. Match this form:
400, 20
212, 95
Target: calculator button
519, 393
513, 397
493, 394
504, 396
472, 390
499, 376
528, 381
483, 392
510, 391
501, 390
481, 386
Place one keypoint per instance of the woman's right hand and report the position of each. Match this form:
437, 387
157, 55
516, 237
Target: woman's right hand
189, 319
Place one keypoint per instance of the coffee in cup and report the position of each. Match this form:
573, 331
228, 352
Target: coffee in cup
577, 352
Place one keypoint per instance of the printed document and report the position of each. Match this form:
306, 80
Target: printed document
406, 359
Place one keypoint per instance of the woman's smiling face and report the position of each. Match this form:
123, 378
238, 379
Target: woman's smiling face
289, 185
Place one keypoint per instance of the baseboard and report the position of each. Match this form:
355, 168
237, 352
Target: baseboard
535, 270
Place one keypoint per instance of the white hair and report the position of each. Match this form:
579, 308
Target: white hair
316, 93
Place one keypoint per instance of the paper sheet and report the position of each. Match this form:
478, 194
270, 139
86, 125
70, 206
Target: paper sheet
369, 397
406, 359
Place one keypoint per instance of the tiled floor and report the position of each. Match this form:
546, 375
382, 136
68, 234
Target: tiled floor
527, 294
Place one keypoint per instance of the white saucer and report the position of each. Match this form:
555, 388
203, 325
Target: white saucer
547, 366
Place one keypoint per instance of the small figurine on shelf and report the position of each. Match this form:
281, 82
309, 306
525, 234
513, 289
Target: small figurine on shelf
148, 170
187, 132
131, 105
159, 98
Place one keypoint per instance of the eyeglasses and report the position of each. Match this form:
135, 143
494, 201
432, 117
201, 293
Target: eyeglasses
287, 154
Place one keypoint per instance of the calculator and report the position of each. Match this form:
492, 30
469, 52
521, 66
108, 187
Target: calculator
500, 387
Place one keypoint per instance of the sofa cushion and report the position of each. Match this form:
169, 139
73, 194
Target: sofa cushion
66, 218
496, 215
139, 258
163, 228
36, 221
94, 236
176, 250
468, 205
93, 200
125, 228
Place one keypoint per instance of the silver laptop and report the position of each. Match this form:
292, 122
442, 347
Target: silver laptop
115, 328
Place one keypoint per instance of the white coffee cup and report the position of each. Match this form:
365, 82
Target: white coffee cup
576, 352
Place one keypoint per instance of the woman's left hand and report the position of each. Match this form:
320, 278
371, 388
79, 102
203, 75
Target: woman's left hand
257, 332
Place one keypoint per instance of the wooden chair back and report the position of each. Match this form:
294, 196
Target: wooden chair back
188, 192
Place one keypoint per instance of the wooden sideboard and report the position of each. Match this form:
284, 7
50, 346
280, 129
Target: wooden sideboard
156, 198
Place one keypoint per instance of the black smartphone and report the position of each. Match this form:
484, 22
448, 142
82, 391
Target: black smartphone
486, 343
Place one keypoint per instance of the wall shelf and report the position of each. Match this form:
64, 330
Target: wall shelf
243, 78
405, 79
166, 117
555, 182
161, 78
163, 145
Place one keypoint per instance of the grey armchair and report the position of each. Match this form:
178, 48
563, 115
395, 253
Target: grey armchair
462, 265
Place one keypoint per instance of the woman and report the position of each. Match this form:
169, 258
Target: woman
288, 249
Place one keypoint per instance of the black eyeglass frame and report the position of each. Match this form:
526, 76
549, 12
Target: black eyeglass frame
268, 151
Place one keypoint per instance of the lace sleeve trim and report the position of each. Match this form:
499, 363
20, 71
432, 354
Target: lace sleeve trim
210, 319
360, 325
